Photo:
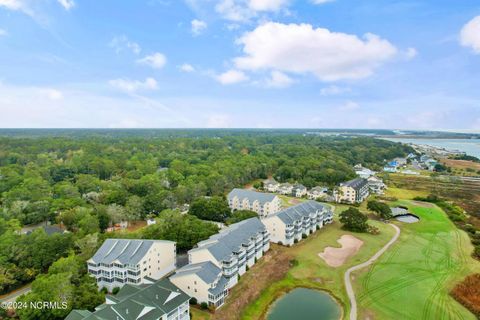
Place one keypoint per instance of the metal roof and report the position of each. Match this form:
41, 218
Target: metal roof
126, 251
251, 195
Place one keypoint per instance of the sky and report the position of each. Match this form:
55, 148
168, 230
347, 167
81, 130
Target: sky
240, 64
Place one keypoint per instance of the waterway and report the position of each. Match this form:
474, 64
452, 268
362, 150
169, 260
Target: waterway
469, 146
305, 304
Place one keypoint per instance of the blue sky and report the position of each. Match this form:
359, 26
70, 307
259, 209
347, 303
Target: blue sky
240, 63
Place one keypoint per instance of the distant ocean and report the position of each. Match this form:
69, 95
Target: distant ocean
469, 146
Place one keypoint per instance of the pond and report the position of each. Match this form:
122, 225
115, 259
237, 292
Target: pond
305, 304
408, 218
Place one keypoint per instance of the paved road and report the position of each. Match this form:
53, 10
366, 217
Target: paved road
17, 293
348, 283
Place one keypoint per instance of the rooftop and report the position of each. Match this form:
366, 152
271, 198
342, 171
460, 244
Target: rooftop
137, 302
299, 211
126, 251
251, 195
355, 183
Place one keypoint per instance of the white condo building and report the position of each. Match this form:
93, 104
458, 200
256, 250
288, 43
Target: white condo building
204, 281
127, 261
233, 249
292, 223
262, 203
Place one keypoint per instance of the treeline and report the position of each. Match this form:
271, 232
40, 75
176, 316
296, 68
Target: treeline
88, 183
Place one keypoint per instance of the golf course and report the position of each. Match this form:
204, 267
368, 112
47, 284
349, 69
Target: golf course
411, 280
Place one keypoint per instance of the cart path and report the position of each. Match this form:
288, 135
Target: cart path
348, 283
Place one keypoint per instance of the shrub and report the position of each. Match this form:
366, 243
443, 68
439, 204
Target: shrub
104, 290
115, 290
280, 243
318, 227
304, 236
193, 301
204, 306
293, 262
295, 240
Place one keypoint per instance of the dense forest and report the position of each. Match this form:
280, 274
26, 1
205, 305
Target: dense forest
88, 182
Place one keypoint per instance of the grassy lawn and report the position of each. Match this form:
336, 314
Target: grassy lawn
413, 279
288, 201
405, 193
198, 314
312, 271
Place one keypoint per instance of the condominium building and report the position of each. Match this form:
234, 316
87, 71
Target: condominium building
160, 300
317, 192
270, 185
299, 190
285, 188
353, 191
262, 203
234, 248
292, 223
204, 281
122, 261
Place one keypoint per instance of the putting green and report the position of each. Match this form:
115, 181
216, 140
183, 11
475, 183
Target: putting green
413, 278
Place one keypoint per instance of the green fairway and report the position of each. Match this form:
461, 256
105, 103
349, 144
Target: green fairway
412, 279
313, 272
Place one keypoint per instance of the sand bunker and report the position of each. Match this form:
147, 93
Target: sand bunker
335, 257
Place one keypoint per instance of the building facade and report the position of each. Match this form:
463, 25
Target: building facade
299, 190
160, 300
234, 248
317, 192
204, 281
289, 225
270, 185
353, 191
128, 261
262, 203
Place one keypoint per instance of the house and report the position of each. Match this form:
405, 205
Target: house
363, 172
259, 202
299, 190
270, 185
390, 169
285, 188
128, 261
353, 191
49, 230
401, 161
234, 248
376, 185
157, 300
289, 225
317, 192
204, 281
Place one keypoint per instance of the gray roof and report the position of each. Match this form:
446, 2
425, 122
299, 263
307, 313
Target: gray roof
289, 215
206, 271
299, 186
251, 195
230, 239
143, 302
355, 183
221, 285
127, 251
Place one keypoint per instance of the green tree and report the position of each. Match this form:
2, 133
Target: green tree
241, 215
381, 208
353, 220
213, 209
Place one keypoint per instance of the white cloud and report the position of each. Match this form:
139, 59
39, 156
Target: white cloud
52, 94
67, 4
17, 5
333, 90
299, 48
3, 32
349, 106
231, 77
156, 60
470, 35
132, 86
198, 26
267, 5
279, 80
411, 53
186, 68
244, 10
120, 43
321, 1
